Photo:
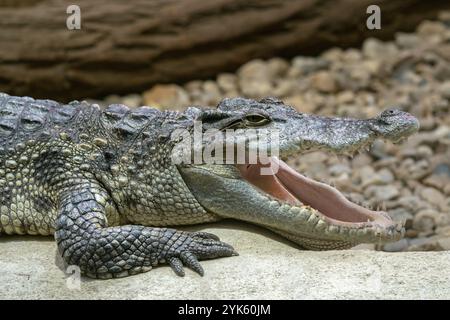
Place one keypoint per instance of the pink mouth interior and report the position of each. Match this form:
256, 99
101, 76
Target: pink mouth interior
289, 186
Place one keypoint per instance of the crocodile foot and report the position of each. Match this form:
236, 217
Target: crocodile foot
198, 246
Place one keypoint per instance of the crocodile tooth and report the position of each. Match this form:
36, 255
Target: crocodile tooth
304, 215
362, 232
312, 219
352, 232
332, 229
274, 205
343, 231
321, 225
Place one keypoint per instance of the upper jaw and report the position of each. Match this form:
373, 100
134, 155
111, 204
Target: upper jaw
343, 136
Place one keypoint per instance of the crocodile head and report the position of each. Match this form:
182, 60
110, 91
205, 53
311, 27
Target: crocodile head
270, 193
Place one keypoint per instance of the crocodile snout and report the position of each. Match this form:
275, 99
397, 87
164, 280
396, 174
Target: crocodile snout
394, 125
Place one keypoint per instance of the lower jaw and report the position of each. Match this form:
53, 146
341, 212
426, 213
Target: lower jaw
316, 243
323, 207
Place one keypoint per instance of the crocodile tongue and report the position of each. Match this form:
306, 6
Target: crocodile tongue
269, 183
285, 184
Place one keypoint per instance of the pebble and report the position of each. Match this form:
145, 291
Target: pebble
227, 82
345, 97
305, 65
443, 244
366, 175
256, 88
422, 244
300, 103
339, 169
385, 176
255, 69
442, 169
412, 203
407, 40
370, 177
397, 246
277, 67
132, 100
379, 150
431, 31
374, 49
444, 16
324, 82
426, 220
437, 181
211, 93
434, 197
444, 89
255, 79
361, 160
283, 88
402, 215
169, 96
382, 193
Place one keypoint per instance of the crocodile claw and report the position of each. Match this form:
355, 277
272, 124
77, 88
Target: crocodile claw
202, 246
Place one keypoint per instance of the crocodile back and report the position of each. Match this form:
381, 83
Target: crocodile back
25, 118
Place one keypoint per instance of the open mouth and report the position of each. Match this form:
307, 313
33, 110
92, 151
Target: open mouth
289, 186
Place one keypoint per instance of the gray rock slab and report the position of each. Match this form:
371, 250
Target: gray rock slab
268, 268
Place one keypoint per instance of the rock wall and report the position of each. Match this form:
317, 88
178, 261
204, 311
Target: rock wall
266, 269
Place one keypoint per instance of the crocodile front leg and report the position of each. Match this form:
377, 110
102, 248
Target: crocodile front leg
85, 240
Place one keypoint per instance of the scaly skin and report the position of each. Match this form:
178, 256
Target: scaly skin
104, 184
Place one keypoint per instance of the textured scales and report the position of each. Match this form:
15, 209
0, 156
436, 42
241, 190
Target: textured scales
103, 183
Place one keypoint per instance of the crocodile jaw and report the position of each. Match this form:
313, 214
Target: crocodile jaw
290, 186
326, 203
284, 203
308, 212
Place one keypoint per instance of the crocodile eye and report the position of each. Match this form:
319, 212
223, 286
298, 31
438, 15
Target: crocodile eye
256, 119
390, 112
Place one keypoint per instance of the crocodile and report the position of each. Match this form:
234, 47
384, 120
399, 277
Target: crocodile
103, 181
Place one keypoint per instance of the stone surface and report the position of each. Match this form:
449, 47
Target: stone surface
267, 268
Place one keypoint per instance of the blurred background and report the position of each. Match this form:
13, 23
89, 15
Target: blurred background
319, 56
